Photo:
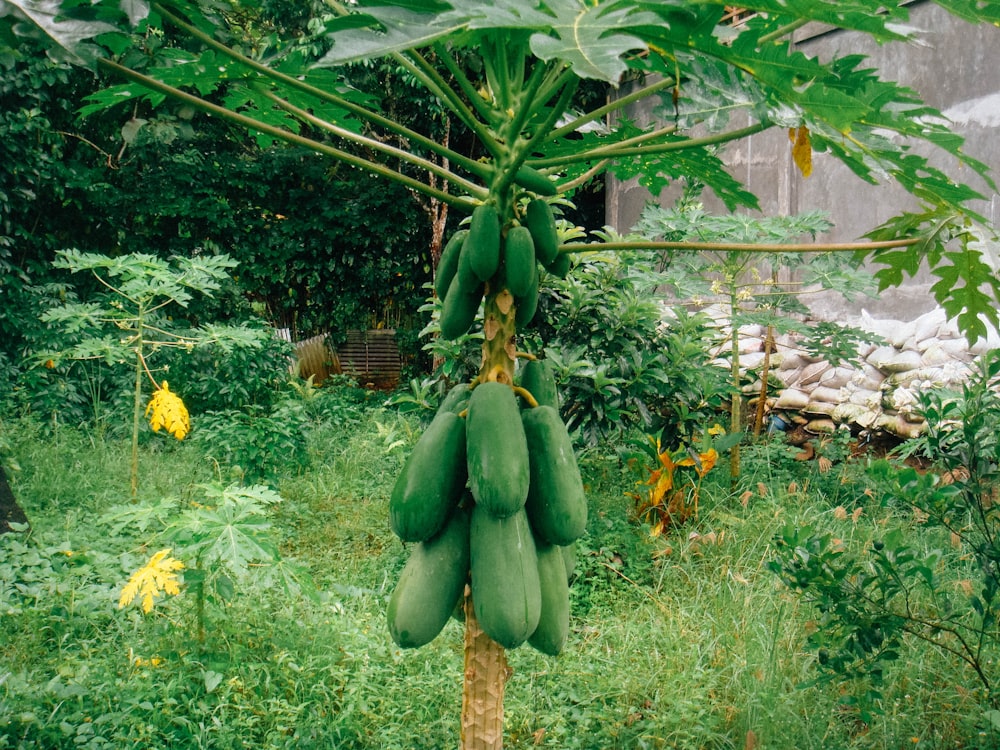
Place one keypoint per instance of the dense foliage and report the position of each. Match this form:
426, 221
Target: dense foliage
318, 249
509, 76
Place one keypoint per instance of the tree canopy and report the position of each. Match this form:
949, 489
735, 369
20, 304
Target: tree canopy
509, 72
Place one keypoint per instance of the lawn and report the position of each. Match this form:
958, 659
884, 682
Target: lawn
685, 640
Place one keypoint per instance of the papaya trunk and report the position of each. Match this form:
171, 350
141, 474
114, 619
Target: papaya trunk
486, 669
499, 346
736, 410
486, 674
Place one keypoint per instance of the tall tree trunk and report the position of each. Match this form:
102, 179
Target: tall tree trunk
486, 674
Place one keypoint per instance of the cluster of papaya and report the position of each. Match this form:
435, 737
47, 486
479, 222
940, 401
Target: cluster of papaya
484, 255
491, 496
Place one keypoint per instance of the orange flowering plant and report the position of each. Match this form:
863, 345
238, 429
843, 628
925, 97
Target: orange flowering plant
673, 485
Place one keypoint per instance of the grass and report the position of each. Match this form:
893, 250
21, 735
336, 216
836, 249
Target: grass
686, 641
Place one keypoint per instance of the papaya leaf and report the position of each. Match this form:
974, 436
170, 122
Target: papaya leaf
115, 95
854, 14
968, 288
136, 10
960, 290
67, 36
709, 94
973, 11
383, 31
591, 38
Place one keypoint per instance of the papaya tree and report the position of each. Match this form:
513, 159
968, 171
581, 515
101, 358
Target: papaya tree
491, 496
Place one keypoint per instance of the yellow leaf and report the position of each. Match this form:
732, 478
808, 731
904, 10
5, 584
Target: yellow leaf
801, 149
663, 485
169, 412
707, 461
158, 576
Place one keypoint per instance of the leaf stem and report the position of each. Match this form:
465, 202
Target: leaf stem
745, 247
614, 150
419, 66
569, 84
526, 101
284, 135
785, 30
470, 187
619, 103
463, 82
585, 177
401, 130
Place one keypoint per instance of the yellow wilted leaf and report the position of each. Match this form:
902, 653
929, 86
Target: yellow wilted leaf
157, 576
708, 461
168, 411
801, 149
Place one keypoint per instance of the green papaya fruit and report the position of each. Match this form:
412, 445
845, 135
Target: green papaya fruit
432, 480
559, 266
535, 181
496, 450
506, 593
431, 582
456, 399
519, 261
556, 503
541, 222
448, 264
459, 310
569, 557
481, 249
553, 623
539, 380
526, 306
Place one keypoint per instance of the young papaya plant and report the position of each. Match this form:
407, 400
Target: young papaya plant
127, 322
509, 74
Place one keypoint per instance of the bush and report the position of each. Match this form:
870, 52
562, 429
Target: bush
941, 586
240, 376
623, 361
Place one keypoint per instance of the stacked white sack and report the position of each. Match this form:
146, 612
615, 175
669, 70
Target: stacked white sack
879, 390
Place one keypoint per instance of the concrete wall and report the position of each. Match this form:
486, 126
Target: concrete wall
955, 68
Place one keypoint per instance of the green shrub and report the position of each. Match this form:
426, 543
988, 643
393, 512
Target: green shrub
931, 572
239, 376
622, 361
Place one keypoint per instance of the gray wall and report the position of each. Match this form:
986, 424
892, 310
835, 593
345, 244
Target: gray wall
955, 68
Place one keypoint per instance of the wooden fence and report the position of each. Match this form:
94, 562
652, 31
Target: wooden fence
370, 357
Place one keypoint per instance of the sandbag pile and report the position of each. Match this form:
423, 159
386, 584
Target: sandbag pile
875, 392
